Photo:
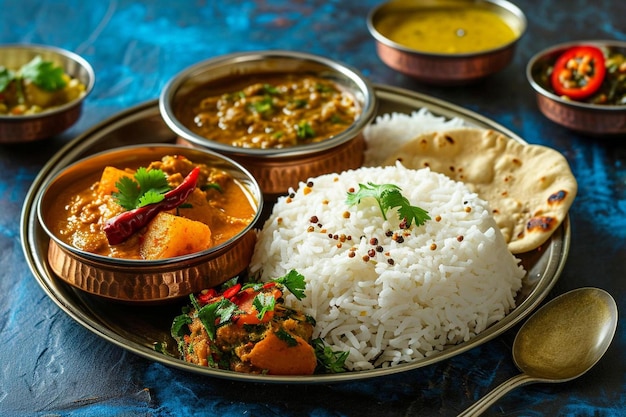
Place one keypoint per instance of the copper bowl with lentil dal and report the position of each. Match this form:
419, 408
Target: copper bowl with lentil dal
593, 116
48, 113
286, 116
115, 271
447, 42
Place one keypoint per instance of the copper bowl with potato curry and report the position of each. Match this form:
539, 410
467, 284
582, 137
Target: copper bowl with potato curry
150, 223
284, 115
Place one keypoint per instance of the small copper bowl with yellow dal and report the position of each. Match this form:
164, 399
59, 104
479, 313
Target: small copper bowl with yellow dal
447, 42
150, 223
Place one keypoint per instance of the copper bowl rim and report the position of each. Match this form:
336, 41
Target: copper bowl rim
363, 85
502, 4
553, 52
82, 62
139, 265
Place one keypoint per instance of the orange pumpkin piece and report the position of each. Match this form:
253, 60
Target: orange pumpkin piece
168, 236
278, 358
111, 175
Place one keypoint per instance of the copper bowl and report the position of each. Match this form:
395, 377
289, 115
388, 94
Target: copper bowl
589, 119
50, 122
444, 68
146, 281
277, 170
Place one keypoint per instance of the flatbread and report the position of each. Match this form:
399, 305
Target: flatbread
529, 188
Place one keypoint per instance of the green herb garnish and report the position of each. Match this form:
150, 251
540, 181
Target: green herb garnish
212, 186
304, 130
180, 325
44, 74
389, 196
284, 335
264, 106
270, 89
263, 303
148, 187
328, 360
336, 119
216, 314
294, 282
6, 76
323, 88
299, 103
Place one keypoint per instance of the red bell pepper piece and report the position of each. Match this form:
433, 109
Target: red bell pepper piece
578, 72
232, 291
124, 225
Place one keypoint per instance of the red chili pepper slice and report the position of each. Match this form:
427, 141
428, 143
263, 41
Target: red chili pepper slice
207, 296
124, 225
578, 72
232, 291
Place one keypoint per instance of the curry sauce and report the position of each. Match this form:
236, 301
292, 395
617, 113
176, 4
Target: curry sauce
269, 111
216, 210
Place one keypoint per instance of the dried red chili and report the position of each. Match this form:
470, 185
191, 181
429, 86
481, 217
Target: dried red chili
124, 225
578, 72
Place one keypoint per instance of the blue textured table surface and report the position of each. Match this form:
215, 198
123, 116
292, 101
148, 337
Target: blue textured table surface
52, 366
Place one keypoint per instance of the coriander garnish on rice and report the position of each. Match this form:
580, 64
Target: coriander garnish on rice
389, 196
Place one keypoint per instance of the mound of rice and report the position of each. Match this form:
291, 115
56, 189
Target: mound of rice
392, 130
386, 294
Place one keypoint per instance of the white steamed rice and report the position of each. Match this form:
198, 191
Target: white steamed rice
392, 130
449, 280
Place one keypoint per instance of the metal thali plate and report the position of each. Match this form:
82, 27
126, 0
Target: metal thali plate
138, 328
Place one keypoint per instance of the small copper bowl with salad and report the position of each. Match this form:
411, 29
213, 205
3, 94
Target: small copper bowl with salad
42, 89
286, 116
447, 42
582, 85
150, 223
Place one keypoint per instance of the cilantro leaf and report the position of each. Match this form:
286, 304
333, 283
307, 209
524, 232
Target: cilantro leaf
328, 360
304, 130
212, 315
389, 196
286, 337
128, 193
263, 303
44, 74
149, 197
270, 89
212, 186
264, 106
294, 282
148, 187
179, 325
6, 77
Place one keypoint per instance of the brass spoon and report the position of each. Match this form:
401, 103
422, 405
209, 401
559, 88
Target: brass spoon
560, 342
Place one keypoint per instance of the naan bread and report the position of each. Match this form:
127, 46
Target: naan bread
530, 188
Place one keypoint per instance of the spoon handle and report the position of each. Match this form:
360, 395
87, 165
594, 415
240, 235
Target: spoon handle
494, 395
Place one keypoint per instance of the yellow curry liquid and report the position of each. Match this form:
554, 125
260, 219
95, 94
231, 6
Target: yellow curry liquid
454, 30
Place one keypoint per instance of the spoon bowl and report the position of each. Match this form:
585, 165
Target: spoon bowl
560, 342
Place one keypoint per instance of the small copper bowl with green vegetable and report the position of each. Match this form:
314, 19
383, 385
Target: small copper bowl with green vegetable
42, 89
582, 85
284, 115
447, 42
150, 223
